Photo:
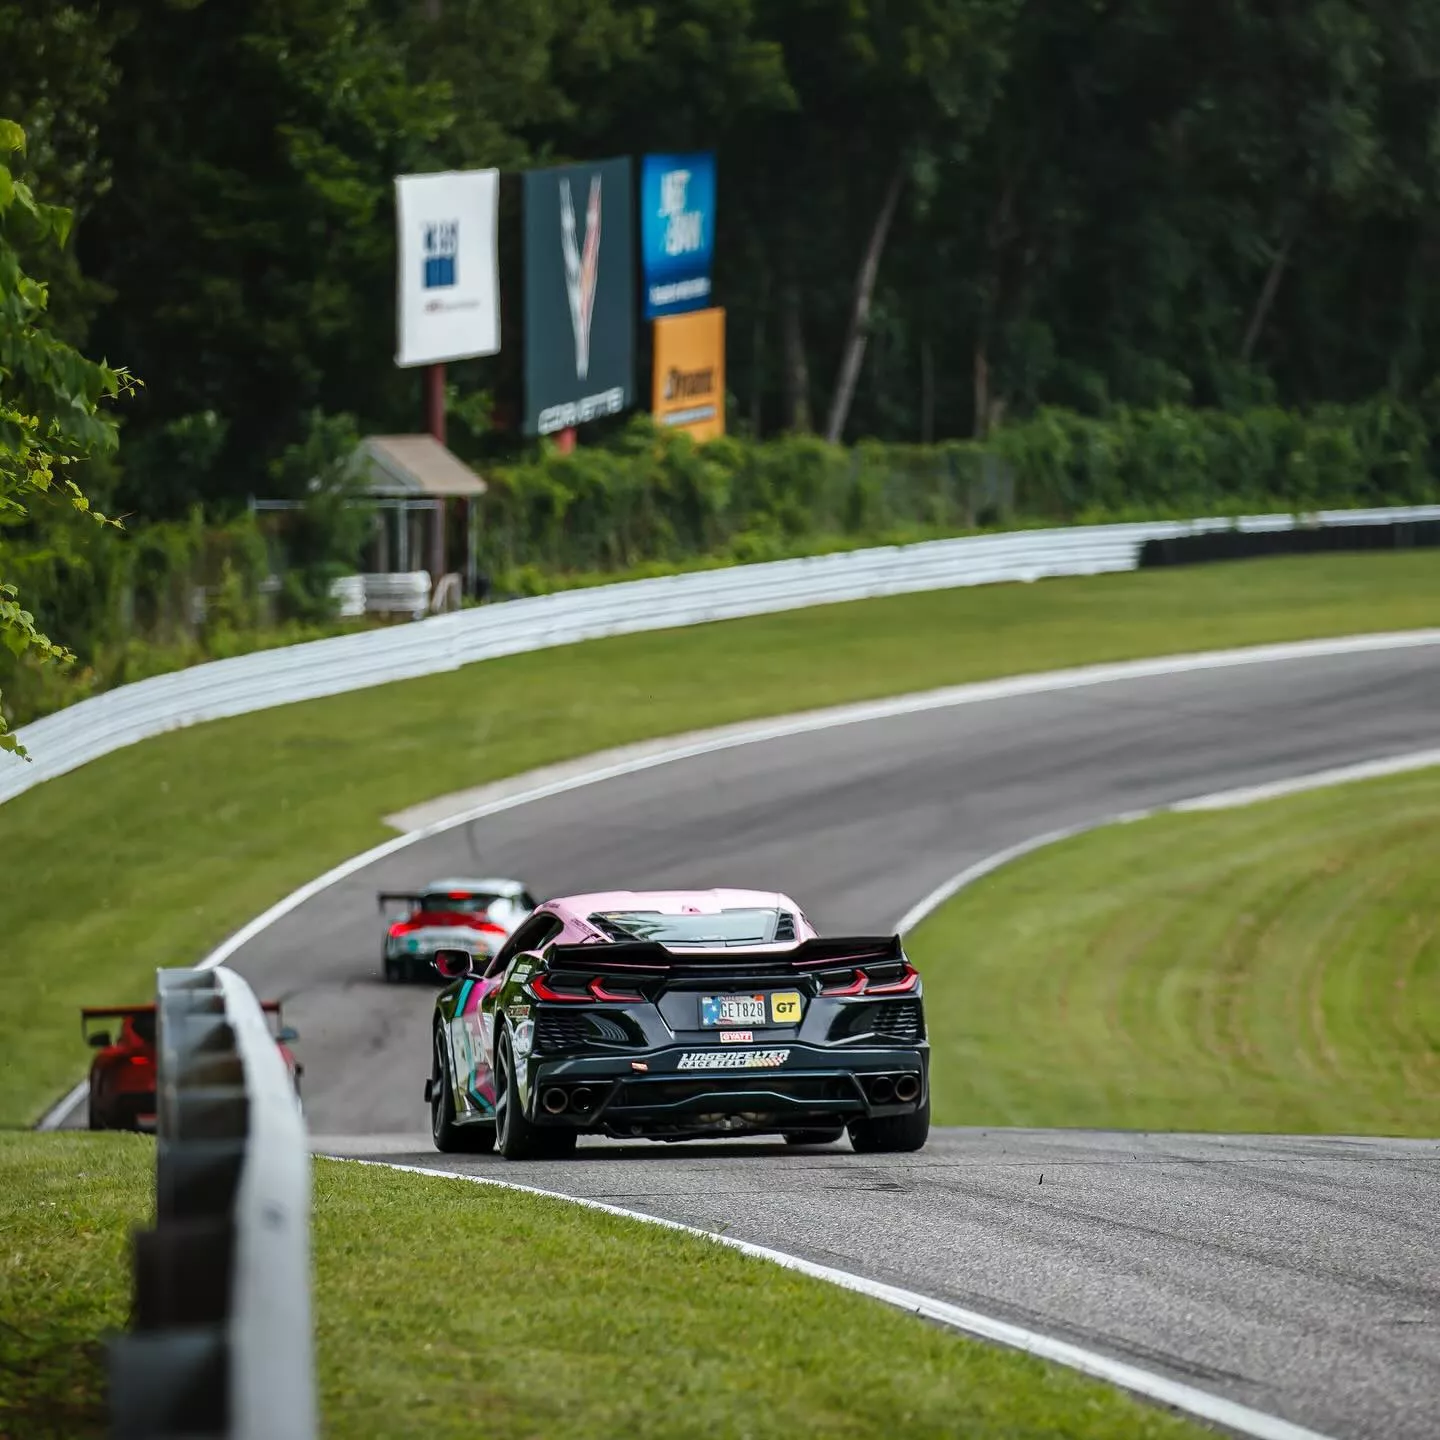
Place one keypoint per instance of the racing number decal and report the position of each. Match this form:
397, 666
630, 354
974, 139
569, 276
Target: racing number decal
785, 1008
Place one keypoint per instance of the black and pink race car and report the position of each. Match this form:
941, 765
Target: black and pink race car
677, 1015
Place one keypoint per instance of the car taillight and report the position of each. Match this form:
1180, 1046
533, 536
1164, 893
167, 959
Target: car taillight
541, 991
627, 997
595, 990
139, 1060
401, 927
908, 981
862, 984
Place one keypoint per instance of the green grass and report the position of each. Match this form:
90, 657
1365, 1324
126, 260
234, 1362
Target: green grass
442, 1306
67, 1206
1274, 968
153, 854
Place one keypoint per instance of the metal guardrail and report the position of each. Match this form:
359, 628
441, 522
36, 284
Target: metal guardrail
120, 717
220, 1342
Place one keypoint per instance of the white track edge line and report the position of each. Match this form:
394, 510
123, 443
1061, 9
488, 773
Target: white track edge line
1200, 1403
774, 728
1216, 800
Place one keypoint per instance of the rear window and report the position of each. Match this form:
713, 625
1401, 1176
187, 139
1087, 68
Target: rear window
476, 904
729, 927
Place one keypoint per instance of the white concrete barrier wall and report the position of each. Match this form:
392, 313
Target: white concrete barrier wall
84, 732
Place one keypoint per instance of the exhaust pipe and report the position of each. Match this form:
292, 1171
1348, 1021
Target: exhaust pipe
554, 1100
582, 1099
907, 1088
882, 1090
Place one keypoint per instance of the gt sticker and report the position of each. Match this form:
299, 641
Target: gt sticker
733, 1059
785, 1007
737, 1037
518, 1012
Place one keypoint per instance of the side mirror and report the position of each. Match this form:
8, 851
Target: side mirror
453, 964
286, 1034
100, 1039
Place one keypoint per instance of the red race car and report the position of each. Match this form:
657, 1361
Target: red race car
122, 1075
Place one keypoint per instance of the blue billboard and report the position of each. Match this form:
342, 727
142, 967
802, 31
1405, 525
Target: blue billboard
677, 231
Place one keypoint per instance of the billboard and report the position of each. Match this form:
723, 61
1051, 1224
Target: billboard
448, 280
579, 294
689, 380
677, 231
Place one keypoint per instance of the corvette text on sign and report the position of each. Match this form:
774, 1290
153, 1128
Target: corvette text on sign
689, 383
579, 294
448, 286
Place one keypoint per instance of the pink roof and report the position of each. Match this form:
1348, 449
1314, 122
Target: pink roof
575, 910
674, 902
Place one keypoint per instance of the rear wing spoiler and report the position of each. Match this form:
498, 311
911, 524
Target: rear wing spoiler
399, 897
639, 956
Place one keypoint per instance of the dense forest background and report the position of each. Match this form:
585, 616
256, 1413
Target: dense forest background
1058, 224
1121, 201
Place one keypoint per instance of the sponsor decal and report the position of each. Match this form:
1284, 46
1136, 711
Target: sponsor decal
448, 276
440, 253
517, 1012
733, 1059
579, 294
581, 270
677, 231
524, 1037
688, 382
785, 1007
737, 1037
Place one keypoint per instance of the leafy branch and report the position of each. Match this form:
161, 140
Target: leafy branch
50, 399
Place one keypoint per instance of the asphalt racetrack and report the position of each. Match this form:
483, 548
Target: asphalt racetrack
1297, 1276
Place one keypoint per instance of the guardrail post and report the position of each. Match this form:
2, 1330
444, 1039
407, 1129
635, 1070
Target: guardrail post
220, 1339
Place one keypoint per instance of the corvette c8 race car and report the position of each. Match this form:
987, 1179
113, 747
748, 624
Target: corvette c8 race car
474, 915
678, 1015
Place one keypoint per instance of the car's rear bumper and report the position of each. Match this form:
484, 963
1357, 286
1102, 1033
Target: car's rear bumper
812, 1086
128, 1110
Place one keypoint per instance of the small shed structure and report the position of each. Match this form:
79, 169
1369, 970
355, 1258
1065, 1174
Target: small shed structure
410, 477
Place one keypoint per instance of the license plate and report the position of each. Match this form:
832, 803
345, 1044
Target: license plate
741, 1010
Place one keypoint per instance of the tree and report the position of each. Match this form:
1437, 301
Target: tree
50, 395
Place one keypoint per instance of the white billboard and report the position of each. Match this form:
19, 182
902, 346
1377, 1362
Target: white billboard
449, 272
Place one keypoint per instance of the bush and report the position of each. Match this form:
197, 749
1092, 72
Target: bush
655, 498
652, 502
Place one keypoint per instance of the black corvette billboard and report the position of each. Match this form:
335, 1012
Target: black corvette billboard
579, 294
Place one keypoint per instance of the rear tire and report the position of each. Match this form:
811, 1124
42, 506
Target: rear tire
828, 1136
449, 1136
892, 1134
393, 974
516, 1137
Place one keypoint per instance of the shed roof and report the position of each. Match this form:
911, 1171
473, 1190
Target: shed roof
405, 465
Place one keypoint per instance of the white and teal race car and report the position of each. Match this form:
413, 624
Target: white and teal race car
455, 914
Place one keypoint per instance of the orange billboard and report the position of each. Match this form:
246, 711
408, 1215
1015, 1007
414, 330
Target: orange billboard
689, 391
